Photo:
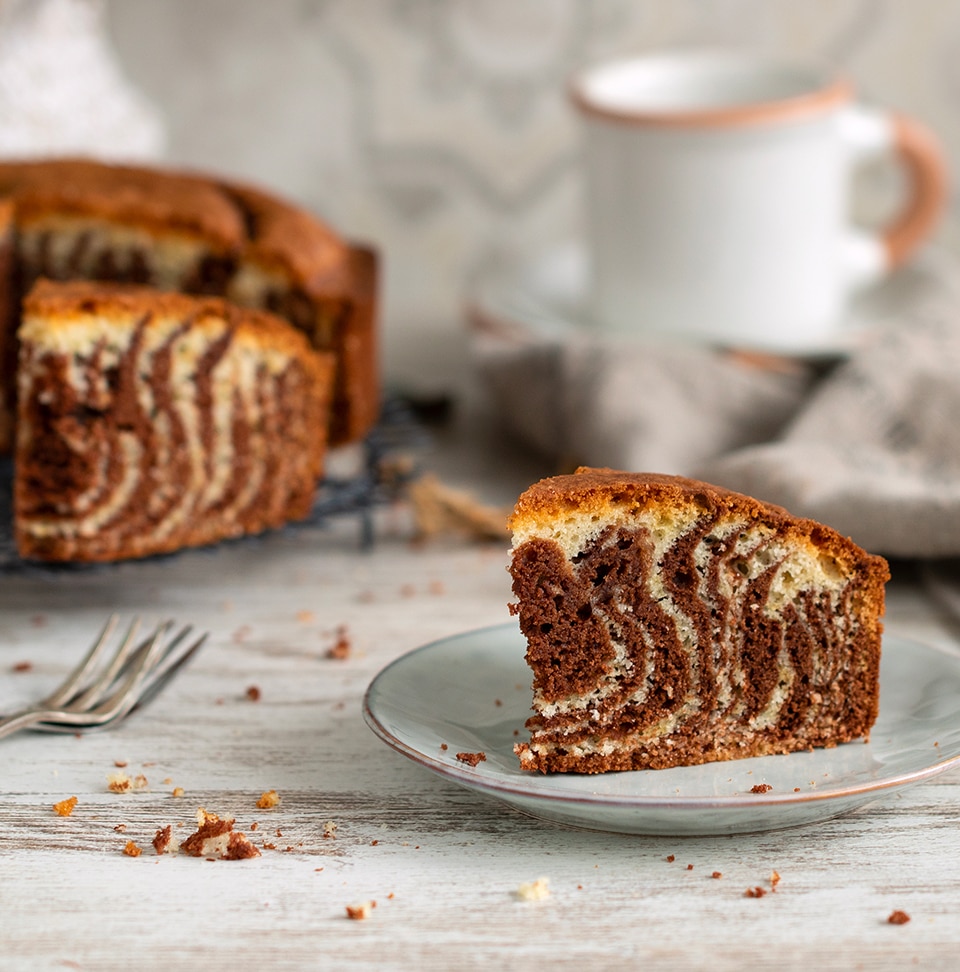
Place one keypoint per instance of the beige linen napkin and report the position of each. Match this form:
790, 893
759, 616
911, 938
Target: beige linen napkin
870, 446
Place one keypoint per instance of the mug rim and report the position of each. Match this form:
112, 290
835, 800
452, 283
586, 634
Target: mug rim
824, 93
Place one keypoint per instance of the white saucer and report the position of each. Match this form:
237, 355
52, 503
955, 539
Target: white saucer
545, 297
470, 693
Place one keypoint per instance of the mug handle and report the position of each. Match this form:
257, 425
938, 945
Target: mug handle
870, 132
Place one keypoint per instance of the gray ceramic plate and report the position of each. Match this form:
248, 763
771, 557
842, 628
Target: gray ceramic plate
470, 693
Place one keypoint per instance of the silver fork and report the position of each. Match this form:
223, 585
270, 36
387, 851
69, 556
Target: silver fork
100, 692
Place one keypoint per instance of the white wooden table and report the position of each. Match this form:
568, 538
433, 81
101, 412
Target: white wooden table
442, 863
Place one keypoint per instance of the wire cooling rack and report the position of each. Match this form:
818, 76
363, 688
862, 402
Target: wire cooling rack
388, 462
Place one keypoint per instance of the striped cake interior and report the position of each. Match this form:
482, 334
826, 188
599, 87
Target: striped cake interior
690, 631
144, 430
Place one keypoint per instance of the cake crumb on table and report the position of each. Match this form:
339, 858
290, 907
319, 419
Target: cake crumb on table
268, 799
534, 890
163, 839
898, 918
761, 788
341, 647
717, 874
22, 666
177, 791
330, 830
670, 858
774, 880
359, 912
471, 759
65, 807
121, 783
253, 693
754, 892
216, 838
132, 850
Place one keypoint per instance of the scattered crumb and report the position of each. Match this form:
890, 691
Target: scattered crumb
471, 759
774, 880
216, 838
279, 832
177, 791
444, 746
167, 780
898, 918
132, 850
796, 789
163, 839
360, 911
269, 846
121, 783
268, 800
305, 617
716, 874
755, 892
22, 666
761, 788
497, 702
120, 828
330, 830
671, 858
534, 890
253, 693
65, 807
254, 825
341, 647
391, 896
689, 867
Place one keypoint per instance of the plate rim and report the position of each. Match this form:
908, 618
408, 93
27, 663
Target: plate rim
469, 777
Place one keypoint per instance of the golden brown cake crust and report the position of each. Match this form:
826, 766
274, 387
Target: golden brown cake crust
60, 302
158, 200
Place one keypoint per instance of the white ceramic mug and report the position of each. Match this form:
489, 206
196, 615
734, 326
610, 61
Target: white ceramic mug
718, 197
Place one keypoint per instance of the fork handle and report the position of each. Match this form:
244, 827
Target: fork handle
23, 720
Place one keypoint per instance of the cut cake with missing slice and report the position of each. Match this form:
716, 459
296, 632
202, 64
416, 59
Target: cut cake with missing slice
148, 422
670, 622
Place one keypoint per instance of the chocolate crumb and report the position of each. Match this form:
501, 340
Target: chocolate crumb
471, 759
716, 874
898, 918
444, 746
689, 867
670, 858
755, 892
761, 788
22, 666
253, 693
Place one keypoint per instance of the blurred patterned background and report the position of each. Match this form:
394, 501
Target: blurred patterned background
437, 128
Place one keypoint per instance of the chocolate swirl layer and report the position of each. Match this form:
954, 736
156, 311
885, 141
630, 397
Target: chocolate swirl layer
670, 622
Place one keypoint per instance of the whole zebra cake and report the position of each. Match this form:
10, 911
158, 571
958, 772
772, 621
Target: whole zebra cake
671, 622
79, 219
148, 422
